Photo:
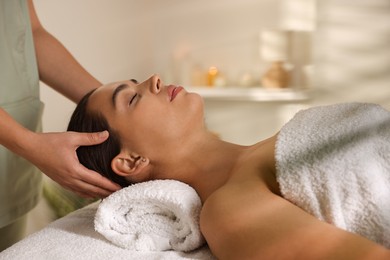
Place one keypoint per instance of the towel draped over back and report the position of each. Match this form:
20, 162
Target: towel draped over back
334, 163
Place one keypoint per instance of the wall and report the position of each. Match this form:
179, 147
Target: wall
352, 51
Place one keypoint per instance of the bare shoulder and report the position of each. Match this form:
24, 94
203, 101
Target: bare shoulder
239, 222
232, 216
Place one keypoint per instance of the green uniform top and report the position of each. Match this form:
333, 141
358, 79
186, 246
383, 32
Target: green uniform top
20, 182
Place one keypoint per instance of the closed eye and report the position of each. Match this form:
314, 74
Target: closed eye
133, 98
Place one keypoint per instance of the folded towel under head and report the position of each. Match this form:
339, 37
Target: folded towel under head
152, 216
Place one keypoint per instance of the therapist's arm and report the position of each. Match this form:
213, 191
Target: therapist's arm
57, 67
55, 153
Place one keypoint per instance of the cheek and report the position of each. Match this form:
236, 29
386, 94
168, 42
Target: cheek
157, 125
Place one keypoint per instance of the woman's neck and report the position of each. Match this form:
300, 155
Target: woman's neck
208, 164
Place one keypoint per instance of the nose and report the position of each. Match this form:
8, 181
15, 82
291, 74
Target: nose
156, 84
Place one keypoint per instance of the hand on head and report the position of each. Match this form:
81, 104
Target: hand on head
55, 155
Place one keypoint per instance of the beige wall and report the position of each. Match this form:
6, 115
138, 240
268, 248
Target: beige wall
352, 51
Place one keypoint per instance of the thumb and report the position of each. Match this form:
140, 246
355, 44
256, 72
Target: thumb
94, 138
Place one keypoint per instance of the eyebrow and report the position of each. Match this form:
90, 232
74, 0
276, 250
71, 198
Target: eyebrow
117, 90
134, 81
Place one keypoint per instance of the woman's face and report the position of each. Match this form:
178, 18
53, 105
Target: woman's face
149, 117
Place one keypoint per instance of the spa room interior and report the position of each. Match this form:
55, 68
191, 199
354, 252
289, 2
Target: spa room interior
255, 62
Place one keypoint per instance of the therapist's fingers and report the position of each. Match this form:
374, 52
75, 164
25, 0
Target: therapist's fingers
55, 155
87, 190
86, 139
94, 184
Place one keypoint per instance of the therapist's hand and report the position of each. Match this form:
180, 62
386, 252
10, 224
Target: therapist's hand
55, 155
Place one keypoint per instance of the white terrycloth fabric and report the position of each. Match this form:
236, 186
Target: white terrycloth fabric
73, 237
152, 216
334, 162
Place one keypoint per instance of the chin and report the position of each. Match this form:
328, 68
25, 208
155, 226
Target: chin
196, 103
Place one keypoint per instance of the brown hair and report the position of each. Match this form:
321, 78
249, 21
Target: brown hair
96, 157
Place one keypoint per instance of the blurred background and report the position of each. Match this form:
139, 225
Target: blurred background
255, 62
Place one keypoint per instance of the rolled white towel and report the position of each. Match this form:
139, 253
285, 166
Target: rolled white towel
152, 216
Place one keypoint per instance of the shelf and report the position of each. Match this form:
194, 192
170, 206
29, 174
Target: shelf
257, 94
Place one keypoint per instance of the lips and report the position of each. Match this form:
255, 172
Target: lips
173, 91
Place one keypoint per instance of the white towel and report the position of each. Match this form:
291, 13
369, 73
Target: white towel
152, 216
73, 237
334, 162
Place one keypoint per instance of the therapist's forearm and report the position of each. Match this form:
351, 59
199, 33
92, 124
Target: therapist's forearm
58, 68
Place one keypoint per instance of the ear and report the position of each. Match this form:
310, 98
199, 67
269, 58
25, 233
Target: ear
130, 165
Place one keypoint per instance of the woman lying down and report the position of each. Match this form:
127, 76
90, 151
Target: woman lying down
318, 189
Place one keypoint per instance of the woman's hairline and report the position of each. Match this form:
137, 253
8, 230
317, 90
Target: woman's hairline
98, 114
